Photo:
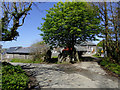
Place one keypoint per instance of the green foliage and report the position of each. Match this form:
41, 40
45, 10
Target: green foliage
113, 53
13, 77
99, 52
70, 21
97, 55
100, 44
114, 67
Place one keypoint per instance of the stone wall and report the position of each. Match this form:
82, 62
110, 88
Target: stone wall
19, 56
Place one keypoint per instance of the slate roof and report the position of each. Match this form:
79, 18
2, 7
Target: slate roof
79, 48
18, 50
12, 49
87, 43
23, 50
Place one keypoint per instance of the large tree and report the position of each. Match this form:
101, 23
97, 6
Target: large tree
14, 14
68, 22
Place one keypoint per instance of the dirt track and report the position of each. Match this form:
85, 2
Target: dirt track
81, 75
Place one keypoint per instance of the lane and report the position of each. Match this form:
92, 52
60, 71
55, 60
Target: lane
80, 75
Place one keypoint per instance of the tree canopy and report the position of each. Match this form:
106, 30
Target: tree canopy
68, 22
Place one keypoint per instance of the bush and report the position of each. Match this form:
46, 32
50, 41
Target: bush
13, 77
98, 52
39, 50
114, 67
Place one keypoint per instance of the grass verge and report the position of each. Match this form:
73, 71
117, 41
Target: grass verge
96, 56
26, 60
55, 57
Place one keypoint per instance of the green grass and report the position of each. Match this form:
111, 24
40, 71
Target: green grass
96, 56
26, 60
55, 57
31, 61
13, 77
114, 67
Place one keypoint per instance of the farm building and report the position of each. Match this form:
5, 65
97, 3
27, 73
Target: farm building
18, 52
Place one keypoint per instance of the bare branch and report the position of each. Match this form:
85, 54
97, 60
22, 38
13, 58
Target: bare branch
5, 8
14, 4
20, 7
101, 7
14, 12
112, 12
102, 14
23, 20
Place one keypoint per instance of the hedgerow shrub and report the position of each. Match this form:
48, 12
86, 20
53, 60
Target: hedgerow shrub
114, 67
39, 51
13, 77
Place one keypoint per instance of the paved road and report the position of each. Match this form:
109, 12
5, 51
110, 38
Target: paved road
81, 75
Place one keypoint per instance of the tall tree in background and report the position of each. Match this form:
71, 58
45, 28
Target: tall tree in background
103, 9
109, 15
68, 22
14, 14
114, 9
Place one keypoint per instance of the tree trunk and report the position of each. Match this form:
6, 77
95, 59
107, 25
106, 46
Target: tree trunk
73, 51
106, 30
117, 47
114, 21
